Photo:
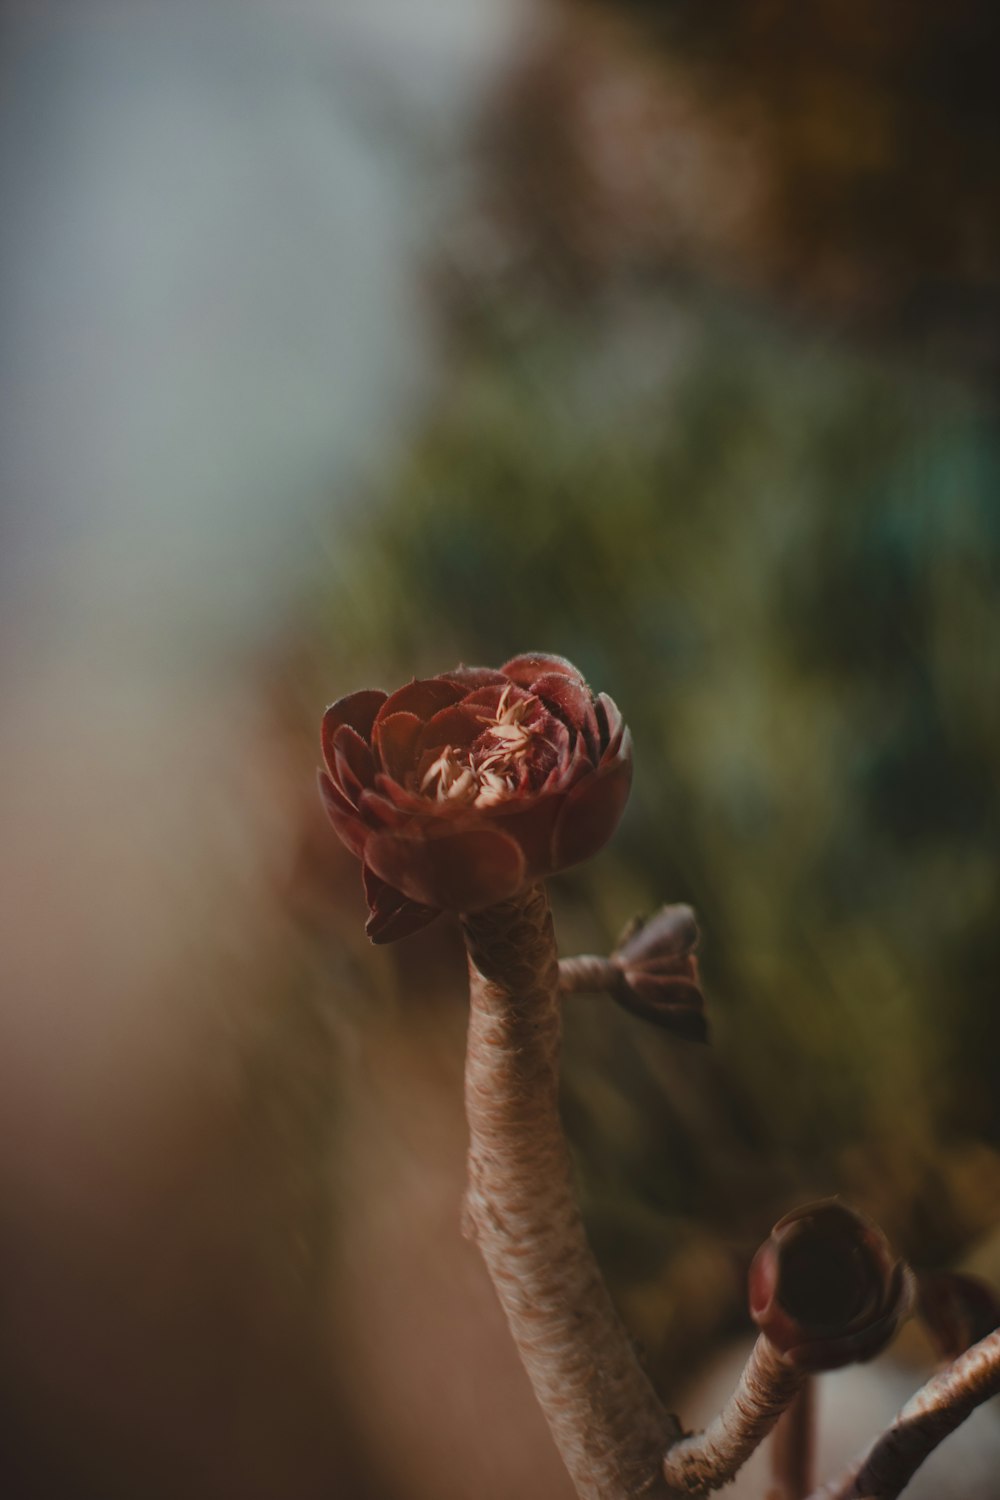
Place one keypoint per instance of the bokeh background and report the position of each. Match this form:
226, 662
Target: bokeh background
340, 342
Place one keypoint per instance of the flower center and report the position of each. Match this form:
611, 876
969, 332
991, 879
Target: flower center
486, 771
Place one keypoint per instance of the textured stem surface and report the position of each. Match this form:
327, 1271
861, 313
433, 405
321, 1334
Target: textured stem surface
607, 1421
588, 974
708, 1460
934, 1412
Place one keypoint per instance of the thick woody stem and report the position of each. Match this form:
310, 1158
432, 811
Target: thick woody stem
607, 1421
925, 1421
708, 1460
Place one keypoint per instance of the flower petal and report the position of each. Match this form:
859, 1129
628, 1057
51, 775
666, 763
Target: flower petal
526, 669
458, 871
571, 769
488, 698
378, 811
668, 935
393, 915
650, 987
395, 739
683, 966
358, 710
353, 767
571, 700
456, 725
550, 747
400, 796
471, 678
610, 724
423, 697
678, 1007
348, 826
532, 824
591, 814
853, 1348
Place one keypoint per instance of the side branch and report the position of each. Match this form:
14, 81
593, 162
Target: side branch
588, 974
925, 1421
708, 1460
607, 1421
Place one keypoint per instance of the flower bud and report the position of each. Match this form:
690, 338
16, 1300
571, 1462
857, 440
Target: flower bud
956, 1309
659, 972
826, 1289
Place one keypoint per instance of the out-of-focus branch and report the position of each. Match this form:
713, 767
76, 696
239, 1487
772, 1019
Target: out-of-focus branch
792, 1446
708, 1460
925, 1421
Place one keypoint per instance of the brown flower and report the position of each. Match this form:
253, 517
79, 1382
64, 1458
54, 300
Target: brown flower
826, 1289
457, 791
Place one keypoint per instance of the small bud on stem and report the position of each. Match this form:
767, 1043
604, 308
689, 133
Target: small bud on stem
824, 1291
825, 1288
653, 973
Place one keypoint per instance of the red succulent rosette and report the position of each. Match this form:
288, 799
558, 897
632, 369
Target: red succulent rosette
826, 1289
457, 791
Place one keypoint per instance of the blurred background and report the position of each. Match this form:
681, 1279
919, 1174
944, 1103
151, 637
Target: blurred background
340, 342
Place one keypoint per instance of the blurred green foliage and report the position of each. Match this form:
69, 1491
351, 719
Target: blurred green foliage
782, 559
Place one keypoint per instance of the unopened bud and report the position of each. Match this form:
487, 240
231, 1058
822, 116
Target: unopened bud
659, 972
826, 1289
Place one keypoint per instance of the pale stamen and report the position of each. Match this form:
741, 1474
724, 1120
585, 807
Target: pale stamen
492, 788
455, 781
487, 776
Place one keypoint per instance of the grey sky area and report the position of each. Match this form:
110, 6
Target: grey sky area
216, 221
